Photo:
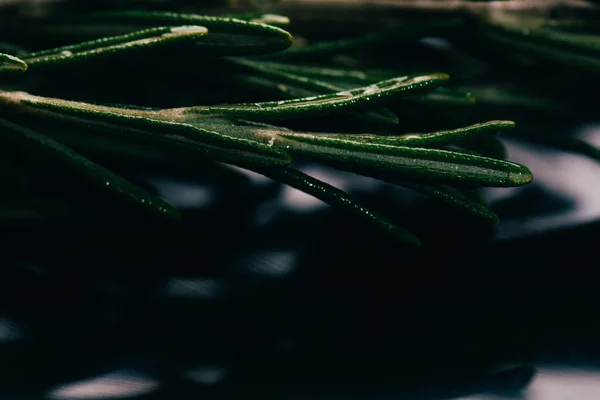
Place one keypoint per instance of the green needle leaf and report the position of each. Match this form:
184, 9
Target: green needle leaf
317, 87
227, 36
386, 158
470, 134
431, 139
90, 51
11, 65
319, 105
51, 151
392, 162
350, 79
338, 198
159, 123
455, 198
170, 60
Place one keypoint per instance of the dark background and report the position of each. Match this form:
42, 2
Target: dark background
264, 292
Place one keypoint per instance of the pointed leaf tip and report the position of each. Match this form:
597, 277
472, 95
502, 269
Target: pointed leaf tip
505, 124
11, 64
520, 176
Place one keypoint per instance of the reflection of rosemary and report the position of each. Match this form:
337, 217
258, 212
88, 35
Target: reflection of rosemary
444, 164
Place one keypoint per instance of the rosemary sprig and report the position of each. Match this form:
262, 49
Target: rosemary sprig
369, 155
232, 133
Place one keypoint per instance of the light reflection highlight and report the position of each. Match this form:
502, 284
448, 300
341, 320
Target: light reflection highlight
9, 331
193, 288
572, 176
206, 374
115, 385
555, 384
185, 194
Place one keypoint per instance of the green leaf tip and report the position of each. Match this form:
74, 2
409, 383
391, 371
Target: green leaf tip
295, 81
153, 127
520, 175
11, 64
388, 160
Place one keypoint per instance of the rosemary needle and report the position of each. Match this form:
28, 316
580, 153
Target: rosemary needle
429, 139
336, 197
315, 86
89, 51
388, 162
322, 104
50, 151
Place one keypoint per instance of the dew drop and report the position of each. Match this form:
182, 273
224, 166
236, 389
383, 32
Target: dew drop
66, 53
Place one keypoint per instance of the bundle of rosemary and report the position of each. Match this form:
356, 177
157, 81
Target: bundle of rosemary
229, 88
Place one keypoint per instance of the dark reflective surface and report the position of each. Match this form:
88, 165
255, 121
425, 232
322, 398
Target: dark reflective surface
264, 292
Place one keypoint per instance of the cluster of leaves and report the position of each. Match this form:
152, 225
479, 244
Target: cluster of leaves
211, 87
